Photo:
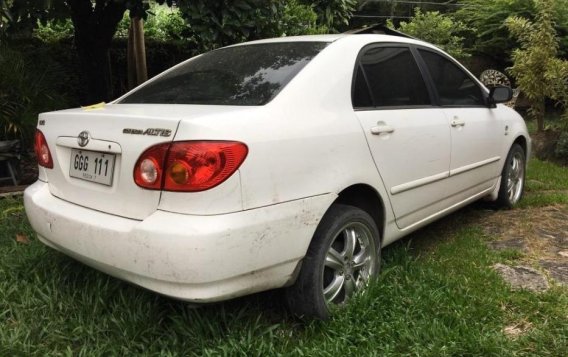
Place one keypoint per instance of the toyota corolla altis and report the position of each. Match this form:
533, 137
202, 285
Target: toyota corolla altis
287, 162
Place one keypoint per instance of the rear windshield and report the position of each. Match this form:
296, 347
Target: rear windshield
241, 75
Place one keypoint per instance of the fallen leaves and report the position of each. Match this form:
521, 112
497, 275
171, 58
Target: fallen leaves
22, 239
515, 330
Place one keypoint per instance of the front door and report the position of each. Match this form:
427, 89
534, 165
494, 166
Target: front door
476, 132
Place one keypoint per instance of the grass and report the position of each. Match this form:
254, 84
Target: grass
436, 296
546, 184
551, 120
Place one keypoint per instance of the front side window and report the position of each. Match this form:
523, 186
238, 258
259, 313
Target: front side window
394, 77
454, 86
240, 75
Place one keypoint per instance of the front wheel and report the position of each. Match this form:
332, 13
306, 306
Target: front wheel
343, 257
512, 178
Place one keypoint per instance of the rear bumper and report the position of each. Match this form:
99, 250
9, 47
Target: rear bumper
194, 258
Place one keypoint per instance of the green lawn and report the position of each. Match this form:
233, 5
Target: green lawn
437, 296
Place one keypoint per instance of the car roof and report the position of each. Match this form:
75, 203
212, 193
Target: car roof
343, 37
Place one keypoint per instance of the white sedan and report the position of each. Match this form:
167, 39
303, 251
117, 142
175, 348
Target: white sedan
287, 162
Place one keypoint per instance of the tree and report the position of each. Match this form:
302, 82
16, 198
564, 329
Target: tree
401, 9
334, 14
222, 22
94, 29
95, 23
214, 23
540, 74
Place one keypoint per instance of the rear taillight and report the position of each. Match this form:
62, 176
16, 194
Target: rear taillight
42, 152
188, 166
148, 172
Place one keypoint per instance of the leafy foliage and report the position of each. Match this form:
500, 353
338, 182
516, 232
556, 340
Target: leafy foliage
165, 24
561, 149
403, 9
300, 19
538, 71
206, 24
438, 29
487, 19
294, 17
54, 30
223, 22
27, 89
334, 14
162, 24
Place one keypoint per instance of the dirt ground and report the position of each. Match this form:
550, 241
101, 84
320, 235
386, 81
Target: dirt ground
540, 234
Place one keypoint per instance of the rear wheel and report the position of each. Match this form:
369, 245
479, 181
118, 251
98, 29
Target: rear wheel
343, 257
512, 178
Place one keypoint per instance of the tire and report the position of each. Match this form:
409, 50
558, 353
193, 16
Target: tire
512, 178
323, 283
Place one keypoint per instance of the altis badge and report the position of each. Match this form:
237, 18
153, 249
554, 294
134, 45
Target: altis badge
149, 131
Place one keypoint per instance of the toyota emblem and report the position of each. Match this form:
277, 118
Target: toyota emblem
83, 138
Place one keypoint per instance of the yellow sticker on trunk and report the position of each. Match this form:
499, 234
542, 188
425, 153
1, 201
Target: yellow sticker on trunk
94, 106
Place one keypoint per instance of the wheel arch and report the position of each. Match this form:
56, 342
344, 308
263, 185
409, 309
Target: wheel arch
523, 143
366, 198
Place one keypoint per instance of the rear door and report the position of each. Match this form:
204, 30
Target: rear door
409, 138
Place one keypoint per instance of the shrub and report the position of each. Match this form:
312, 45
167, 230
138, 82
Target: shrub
333, 14
438, 29
27, 89
54, 30
163, 24
300, 19
561, 149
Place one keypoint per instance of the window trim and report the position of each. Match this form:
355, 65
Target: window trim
431, 94
484, 93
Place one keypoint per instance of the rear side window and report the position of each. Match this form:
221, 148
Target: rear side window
240, 75
361, 96
455, 87
394, 77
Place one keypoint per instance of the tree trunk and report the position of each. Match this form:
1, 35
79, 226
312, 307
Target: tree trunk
95, 68
538, 111
130, 59
139, 50
94, 29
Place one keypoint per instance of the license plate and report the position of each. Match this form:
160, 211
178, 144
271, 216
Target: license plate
92, 166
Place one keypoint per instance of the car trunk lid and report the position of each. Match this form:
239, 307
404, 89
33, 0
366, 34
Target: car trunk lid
94, 152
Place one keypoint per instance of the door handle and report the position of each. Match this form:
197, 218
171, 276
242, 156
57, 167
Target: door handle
382, 129
457, 122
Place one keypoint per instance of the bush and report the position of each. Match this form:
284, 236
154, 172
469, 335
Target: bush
208, 25
54, 30
163, 24
27, 89
561, 149
438, 29
333, 14
300, 19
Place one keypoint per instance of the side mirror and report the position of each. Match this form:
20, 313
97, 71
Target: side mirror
500, 94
